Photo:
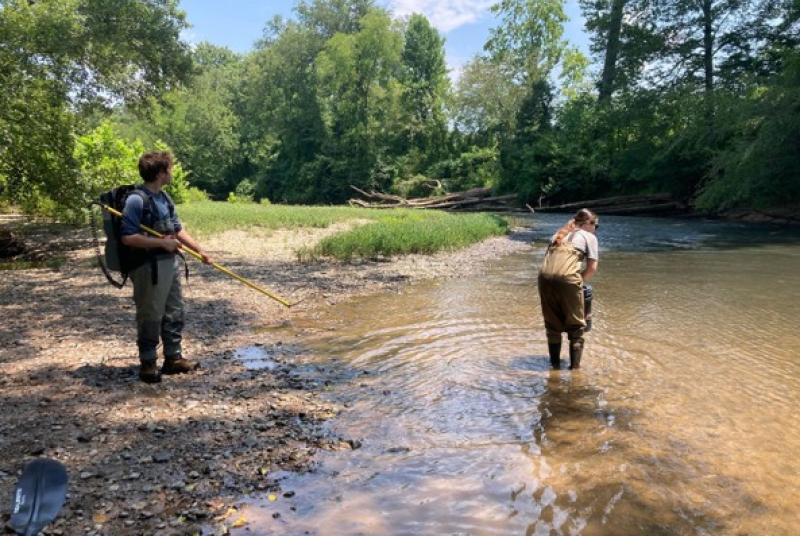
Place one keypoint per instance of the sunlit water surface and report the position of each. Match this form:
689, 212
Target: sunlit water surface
683, 420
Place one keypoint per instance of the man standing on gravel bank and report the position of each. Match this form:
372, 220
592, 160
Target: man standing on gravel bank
155, 276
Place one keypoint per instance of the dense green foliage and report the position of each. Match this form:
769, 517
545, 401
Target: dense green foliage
698, 98
106, 160
59, 61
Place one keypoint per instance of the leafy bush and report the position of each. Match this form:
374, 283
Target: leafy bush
418, 186
244, 193
195, 195
106, 160
477, 167
233, 198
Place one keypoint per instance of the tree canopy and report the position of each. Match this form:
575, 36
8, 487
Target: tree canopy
697, 98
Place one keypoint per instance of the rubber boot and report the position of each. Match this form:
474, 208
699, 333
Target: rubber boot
148, 372
554, 349
575, 354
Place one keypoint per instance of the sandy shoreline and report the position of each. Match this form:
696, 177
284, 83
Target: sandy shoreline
169, 458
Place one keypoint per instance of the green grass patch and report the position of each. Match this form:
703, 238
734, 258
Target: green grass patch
412, 232
208, 217
392, 231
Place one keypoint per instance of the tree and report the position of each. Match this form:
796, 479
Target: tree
761, 166
359, 93
624, 38
699, 34
486, 97
528, 38
606, 85
326, 18
200, 122
281, 124
58, 58
525, 156
424, 77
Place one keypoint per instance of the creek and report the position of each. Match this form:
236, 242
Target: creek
683, 419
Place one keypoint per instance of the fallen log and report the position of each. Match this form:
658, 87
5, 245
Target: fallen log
640, 199
659, 208
469, 194
363, 204
493, 208
382, 197
449, 201
467, 202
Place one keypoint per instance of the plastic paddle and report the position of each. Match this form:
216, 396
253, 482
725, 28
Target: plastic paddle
38, 496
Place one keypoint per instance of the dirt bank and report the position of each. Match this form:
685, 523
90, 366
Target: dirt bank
168, 458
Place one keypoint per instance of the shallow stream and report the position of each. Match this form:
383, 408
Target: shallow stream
683, 420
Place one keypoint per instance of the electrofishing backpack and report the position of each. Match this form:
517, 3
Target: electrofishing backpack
117, 257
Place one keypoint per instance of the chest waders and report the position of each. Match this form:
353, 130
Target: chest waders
561, 294
159, 302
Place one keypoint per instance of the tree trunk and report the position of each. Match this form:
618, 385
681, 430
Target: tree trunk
606, 86
708, 46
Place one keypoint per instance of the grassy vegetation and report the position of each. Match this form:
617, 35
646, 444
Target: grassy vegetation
392, 232
208, 217
416, 232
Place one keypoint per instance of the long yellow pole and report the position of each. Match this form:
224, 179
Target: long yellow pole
219, 267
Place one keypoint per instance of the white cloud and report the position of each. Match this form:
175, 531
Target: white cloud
190, 36
455, 66
445, 15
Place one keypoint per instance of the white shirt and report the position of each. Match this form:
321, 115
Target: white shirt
585, 242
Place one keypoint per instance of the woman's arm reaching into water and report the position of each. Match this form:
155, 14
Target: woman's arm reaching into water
591, 269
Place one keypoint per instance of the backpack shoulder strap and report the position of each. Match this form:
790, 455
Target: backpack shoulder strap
170, 202
148, 204
142, 192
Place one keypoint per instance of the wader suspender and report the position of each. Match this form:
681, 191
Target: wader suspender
152, 255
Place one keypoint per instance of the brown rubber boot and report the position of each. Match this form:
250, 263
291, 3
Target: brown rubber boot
554, 349
148, 372
178, 365
575, 354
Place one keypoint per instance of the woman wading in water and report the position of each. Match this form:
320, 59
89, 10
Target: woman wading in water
570, 261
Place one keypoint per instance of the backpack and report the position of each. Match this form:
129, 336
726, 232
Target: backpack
117, 257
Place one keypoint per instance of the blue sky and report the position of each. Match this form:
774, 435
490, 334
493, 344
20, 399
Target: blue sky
465, 24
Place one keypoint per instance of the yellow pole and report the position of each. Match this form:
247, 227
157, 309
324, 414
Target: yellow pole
219, 267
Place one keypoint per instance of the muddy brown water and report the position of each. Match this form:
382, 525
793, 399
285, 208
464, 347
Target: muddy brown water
684, 419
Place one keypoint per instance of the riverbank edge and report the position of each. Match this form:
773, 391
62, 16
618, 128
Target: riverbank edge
171, 458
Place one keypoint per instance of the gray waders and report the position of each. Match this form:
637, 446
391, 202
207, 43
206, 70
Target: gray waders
159, 301
159, 308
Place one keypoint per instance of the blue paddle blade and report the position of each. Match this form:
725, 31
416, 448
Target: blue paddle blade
38, 496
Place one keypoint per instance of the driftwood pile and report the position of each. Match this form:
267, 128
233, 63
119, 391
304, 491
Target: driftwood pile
627, 205
470, 200
481, 199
